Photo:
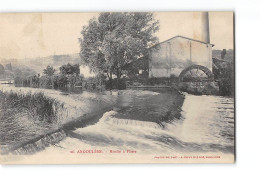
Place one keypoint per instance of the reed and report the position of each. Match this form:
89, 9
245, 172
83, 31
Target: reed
39, 106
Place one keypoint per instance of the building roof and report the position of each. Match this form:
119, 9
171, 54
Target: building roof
179, 36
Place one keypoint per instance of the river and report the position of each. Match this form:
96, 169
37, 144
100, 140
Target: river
137, 123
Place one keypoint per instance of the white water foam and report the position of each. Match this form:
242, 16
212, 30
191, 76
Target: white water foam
120, 133
192, 135
204, 118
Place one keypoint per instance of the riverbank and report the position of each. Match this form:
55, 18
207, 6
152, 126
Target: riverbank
204, 133
28, 115
25, 117
81, 110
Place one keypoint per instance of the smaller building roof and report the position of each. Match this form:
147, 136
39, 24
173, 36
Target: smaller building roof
179, 36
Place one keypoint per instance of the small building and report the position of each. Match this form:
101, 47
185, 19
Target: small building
171, 57
178, 58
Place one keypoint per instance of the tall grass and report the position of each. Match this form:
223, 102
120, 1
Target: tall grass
39, 106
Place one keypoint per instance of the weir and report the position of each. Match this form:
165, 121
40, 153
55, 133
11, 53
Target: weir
134, 104
41, 142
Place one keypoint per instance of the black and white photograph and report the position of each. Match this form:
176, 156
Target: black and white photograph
117, 87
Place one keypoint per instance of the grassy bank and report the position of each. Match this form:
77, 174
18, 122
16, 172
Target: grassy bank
36, 105
24, 116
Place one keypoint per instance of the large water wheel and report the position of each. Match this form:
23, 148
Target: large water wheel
196, 73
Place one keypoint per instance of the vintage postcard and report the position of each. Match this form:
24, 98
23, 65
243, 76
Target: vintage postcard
117, 87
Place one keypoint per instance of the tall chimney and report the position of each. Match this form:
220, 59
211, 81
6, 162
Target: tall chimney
205, 35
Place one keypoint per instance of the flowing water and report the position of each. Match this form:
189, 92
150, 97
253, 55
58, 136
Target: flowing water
143, 121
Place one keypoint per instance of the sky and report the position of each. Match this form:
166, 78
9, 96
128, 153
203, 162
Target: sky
29, 35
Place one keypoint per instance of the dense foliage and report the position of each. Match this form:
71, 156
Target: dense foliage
68, 77
49, 71
116, 39
37, 105
70, 69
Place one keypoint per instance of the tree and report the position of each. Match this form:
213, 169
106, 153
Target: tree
49, 71
73, 80
116, 39
70, 69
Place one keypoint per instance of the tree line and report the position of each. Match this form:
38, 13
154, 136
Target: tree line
69, 76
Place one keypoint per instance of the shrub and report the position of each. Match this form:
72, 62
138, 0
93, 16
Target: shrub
39, 106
